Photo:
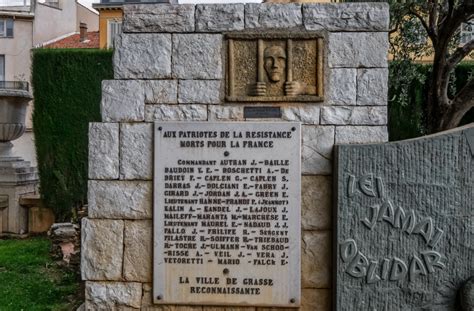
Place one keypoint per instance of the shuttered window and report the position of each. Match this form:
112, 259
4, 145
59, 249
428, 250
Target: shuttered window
115, 28
467, 32
6, 27
2, 67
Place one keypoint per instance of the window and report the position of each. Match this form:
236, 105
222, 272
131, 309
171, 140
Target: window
6, 27
467, 32
6, 3
52, 3
2, 67
114, 28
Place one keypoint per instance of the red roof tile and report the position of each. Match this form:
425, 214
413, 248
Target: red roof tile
73, 42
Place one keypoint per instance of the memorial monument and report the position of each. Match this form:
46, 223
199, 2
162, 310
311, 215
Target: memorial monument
404, 223
210, 173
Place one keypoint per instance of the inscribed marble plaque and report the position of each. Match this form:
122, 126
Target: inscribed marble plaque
227, 214
405, 223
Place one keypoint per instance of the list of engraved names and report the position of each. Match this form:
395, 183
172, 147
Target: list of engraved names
227, 213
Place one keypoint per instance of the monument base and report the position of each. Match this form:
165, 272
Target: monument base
17, 178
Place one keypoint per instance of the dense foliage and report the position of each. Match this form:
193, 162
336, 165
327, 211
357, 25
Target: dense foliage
407, 92
67, 93
431, 30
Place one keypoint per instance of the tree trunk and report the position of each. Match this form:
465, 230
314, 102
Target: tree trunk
460, 105
437, 101
443, 113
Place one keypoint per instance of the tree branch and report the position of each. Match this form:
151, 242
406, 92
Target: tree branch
462, 14
450, 8
433, 16
459, 54
460, 105
413, 11
395, 29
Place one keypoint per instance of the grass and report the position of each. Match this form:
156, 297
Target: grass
30, 280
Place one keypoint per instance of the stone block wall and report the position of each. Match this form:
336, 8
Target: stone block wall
169, 65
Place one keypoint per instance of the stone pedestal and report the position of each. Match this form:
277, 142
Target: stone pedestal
17, 178
3, 205
40, 218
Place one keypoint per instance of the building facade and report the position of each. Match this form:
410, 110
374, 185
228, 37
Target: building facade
110, 18
24, 25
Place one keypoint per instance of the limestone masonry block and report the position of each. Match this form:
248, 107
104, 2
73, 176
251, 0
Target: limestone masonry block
138, 250
372, 87
306, 113
318, 142
199, 91
161, 91
120, 199
273, 15
219, 17
158, 18
353, 50
316, 202
361, 134
175, 113
100, 258
316, 300
226, 113
346, 16
103, 150
206, 308
136, 154
118, 296
197, 56
339, 115
122, 100
142, 56
342, 86
187, 308
147, 299
316, 259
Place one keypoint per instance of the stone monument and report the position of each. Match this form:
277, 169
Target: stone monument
209, 71
404, 223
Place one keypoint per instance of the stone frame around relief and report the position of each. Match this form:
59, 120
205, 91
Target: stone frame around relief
245, 66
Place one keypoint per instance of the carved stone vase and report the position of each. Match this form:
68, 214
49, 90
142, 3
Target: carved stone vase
13, 104
17, 176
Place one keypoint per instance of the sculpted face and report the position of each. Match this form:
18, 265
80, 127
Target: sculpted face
275, 62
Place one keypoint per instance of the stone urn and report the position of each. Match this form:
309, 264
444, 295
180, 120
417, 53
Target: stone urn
13, 104
17, 176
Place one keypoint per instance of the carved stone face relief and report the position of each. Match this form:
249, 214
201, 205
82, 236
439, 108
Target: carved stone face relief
274, 68
275, 62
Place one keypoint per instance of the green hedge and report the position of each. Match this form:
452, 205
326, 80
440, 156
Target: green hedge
67, 93
406, 95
